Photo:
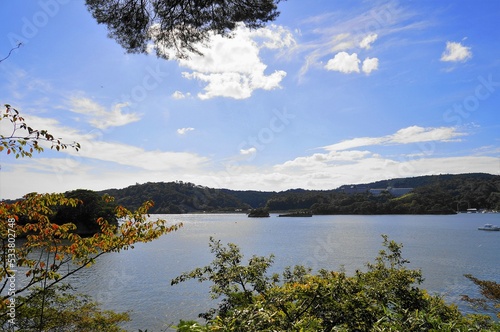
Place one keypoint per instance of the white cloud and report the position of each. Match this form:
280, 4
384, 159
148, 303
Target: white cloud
367, 42
338, 164
342, 42
98, 116
319, 161
22, 85
52, 126
369, 167
90, 166
183, 131
232, 67
274, 37
342, 164
180, 95
369, 65
249, 151
129, 155
344, 63
350, 30
456, 52
349, 63
413, 134
73, 172
352, 167
94, 147
355, 143
235, 85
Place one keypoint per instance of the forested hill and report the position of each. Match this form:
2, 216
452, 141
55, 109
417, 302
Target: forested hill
439, 194
430, 194
177, 197
419, 181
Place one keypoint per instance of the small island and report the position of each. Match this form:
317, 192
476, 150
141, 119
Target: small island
297, 214
259, 213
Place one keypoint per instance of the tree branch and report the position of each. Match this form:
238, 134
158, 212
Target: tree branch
11, 50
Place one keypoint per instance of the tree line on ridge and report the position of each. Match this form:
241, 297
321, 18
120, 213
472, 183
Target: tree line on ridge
436, 194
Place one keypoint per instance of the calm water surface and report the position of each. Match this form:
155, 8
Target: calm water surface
443, 247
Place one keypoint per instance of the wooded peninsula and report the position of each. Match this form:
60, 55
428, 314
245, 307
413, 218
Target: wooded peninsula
433, 194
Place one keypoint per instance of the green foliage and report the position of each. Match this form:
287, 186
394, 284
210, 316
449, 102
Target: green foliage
23, 140
490, 290
236, 283
63, 311
176, 197
384, 298
190, 326
441, 194
252, 198
295, 200
259, 213
84, 215
50, 252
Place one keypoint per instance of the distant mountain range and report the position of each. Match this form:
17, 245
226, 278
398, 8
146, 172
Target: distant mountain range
430, 194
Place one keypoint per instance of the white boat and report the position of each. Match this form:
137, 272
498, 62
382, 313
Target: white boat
489, 227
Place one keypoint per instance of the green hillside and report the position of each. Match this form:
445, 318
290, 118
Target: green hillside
176, 197
434, 194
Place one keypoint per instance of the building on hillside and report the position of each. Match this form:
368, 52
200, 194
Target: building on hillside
376, 192
359, 189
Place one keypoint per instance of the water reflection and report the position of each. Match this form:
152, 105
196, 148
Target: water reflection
444, 247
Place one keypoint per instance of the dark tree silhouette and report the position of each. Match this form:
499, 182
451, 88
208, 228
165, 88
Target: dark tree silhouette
177, 25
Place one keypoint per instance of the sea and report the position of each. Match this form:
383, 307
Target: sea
443, 247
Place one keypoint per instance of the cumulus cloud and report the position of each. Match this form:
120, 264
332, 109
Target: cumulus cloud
308, 172
232, 67
367, 41
344, 162
319, 161
349, 31
349, 63
369, 65
338, 164
274, 37
315, 175
456, 52
98, 116
180, 95
344, 63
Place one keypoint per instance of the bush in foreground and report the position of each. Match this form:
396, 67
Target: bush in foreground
63, 310
384, 298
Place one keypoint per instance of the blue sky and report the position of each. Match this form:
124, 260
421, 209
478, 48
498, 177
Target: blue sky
331, 93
